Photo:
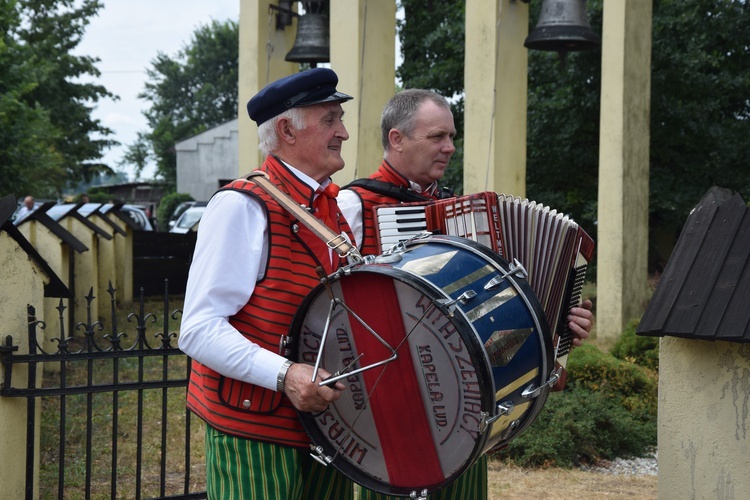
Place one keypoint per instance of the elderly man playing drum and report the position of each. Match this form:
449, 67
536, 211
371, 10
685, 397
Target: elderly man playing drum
417, 134
253, 265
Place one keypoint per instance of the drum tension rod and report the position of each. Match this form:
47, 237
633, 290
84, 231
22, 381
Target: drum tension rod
450, 305
502, 409
532, 391
422, 494
515, 268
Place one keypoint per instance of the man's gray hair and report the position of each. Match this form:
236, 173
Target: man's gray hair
268, 141
401, 110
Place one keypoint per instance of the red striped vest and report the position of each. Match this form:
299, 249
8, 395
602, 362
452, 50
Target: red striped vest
239, 408
370, 199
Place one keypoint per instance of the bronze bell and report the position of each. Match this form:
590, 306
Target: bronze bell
563, 27
312, 43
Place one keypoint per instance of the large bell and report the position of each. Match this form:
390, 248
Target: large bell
562, 27
312, 43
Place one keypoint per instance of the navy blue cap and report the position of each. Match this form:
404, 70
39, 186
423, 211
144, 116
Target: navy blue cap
306, 88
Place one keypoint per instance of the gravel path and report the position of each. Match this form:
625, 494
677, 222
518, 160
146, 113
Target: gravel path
644, 466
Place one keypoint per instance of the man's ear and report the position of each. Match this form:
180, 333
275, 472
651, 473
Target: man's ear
396, 139
285, 131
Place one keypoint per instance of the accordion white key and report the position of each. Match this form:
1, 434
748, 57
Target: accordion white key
552, 247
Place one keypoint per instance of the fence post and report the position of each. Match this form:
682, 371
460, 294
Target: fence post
14, 418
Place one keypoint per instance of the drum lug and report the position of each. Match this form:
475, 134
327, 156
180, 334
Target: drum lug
502, 409
463, 299
532, 391
317, 454
422, 495
516, 268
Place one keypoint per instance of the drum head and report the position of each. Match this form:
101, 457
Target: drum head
416, 417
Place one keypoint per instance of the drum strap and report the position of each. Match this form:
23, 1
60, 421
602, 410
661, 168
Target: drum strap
338, 242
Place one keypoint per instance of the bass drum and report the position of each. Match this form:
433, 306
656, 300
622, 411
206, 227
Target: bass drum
445, 354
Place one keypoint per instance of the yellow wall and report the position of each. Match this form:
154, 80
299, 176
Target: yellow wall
704, 423
22, 283
57, 255
85, 269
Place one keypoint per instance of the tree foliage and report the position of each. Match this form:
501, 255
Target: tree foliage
699, 103
194, 91
47, 135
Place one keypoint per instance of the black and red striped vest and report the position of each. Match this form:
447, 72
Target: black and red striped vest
239, 408
370, 199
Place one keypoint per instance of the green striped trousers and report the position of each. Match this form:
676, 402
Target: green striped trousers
244, 469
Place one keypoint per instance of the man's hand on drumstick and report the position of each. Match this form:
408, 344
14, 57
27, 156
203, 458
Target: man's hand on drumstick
307, 395
580, 321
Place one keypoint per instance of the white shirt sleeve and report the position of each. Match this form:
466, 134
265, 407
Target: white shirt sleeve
230, 254
351, 206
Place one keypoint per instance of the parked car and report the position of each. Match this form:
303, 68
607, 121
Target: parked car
139, 215
189, 219
179, 209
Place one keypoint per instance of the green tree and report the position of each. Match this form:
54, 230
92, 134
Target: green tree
50, 31
196, 90
27, 135
700, 111
137, 154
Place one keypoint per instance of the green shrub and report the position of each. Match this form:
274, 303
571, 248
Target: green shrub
640, 350
634, 387
167, 205
608, 409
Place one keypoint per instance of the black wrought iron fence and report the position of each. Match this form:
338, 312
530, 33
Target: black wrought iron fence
113, 402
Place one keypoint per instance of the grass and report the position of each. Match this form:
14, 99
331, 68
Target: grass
100, 425
509, 482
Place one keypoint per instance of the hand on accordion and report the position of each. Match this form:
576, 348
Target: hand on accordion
580, 321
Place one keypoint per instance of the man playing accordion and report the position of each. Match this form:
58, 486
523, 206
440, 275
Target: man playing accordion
417, 132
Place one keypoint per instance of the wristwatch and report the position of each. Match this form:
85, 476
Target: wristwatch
282, 374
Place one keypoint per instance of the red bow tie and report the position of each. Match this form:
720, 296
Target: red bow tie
324, 202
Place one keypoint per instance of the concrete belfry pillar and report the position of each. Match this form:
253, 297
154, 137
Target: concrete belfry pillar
623, 165
496, 88
262, 52
363, 46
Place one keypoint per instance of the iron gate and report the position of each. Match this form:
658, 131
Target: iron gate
104, 376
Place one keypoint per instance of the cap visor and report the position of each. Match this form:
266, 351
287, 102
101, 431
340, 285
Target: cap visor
336, 96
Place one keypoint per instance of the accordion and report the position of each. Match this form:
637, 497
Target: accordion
554, 250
